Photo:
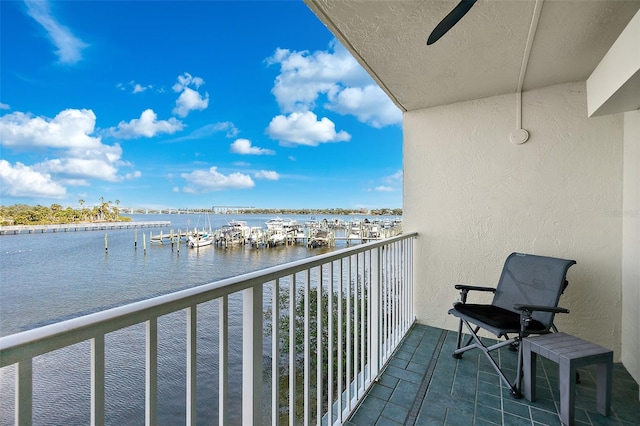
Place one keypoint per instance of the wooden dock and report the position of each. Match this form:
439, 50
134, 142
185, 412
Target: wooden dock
72, 227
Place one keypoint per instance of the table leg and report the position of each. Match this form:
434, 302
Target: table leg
604, 378
566, 375
528, 371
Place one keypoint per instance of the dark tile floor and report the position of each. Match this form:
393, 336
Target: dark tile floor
424, 385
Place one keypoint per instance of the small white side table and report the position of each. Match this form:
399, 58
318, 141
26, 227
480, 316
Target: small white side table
569, 352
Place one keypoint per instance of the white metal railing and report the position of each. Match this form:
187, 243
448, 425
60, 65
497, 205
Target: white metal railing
350, 310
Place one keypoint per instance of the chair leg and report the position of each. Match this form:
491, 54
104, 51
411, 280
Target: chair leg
516, 389
456, 355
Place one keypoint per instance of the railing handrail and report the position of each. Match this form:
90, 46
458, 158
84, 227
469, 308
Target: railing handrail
38, 341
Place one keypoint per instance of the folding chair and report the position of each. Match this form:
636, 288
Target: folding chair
525, 302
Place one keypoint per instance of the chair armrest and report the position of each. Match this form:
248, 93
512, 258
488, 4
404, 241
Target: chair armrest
464, 287
464, 290
532, 308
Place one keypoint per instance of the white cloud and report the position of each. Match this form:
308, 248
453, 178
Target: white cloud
203, 181
4, 106
335, 74
225, 126
305, 129
243, 146
69, 48
132, 176
189, 99
205, 131
23, 181
383, 188
95, 168
74, 154
267, 174
304, 75
69, 129
147, 125
393, 183
138, 88
394, 178
368, 104
185, 80
134, 87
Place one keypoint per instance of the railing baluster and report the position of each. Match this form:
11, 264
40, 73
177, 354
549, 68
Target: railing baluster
407, 283
330, 363
252, 356
374, 323
275, 354
385, 302
24, 392
348, 336
340, 343
403, 293
363, 313
356, 342
319, 349
307, 348
223, 359
97, 380
191, 365
410, 280
151, 372
292, 351
394, 306
396, 295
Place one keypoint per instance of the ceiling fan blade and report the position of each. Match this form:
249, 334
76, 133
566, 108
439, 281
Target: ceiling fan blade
450, 20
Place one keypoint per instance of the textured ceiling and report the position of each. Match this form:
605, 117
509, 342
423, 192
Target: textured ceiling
483, 54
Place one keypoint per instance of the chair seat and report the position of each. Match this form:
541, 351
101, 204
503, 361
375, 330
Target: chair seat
495, 317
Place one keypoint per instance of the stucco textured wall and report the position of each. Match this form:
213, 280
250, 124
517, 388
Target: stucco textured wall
474, 197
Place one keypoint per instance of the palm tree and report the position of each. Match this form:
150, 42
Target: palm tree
102, 209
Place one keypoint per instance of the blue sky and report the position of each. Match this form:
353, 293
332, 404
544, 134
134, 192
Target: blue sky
189, 104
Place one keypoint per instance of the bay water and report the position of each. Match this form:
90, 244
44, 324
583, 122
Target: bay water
49, 277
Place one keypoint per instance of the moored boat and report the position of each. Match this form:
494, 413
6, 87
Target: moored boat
197, 240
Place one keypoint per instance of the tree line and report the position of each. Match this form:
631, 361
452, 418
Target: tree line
23, 214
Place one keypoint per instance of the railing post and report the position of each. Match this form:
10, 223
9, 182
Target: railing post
349, 337
307, 348
24, 392
151, 382
275, 354
292, 351
191, 365
223, 348
97, 380
252, 356
319, 350
330, 360
340, 344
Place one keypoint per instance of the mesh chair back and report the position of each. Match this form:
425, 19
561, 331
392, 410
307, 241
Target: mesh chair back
532, 280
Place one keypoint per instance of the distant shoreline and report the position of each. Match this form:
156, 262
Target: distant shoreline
80, 226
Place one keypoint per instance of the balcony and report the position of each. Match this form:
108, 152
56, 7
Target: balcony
269, 367
384, 369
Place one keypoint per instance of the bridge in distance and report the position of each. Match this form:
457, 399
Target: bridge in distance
172, 210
